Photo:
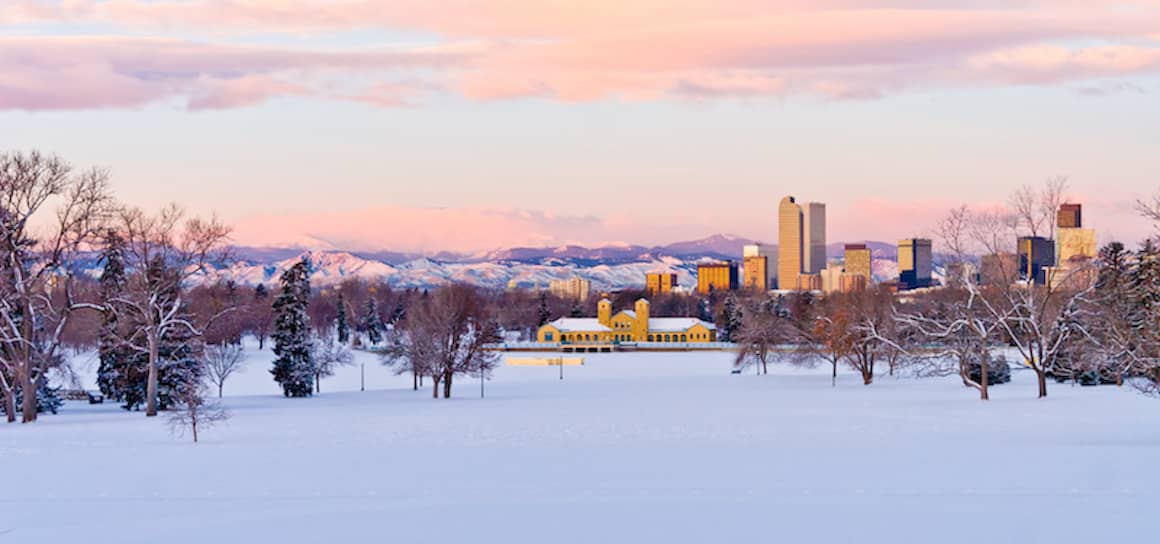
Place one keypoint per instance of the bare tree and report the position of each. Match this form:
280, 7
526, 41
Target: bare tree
445, 335
872, 332
829, 336
761, 334
193, 412
223, 360
329, 354
182, 248
1035, 209
1150, 209
34, 264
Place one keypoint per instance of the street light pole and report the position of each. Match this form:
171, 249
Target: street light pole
362, 371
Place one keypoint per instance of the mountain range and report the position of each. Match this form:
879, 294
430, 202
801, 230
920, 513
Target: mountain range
607, 267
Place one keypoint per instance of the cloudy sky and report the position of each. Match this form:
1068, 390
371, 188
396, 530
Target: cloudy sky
473, 124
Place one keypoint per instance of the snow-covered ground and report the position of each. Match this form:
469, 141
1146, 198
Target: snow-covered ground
628, 448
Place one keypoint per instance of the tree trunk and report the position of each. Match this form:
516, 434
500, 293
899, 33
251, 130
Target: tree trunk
318, 383
414, 380
261, 342
1042, 375
984, 381
28, 404
834, 376
435, 389
193, 425
447, 385
10, 406
151, 385
220, 390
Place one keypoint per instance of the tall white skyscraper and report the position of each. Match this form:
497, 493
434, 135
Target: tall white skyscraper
814, 238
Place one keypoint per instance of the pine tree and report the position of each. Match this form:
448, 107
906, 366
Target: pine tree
544, 314
576, 311
294, 367
114, 355
730, 318
343, 329
373, 322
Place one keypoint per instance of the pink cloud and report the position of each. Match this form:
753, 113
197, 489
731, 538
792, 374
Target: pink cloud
571, 50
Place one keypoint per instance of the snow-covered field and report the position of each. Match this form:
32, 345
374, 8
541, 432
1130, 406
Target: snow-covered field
629, 448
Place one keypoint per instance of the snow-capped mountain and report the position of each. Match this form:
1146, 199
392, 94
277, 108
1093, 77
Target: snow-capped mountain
608, 267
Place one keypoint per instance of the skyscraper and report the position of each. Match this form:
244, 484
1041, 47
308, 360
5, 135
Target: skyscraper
914, 263
1070, 216
789, 238
769, 252
716, 276
858, 260
660, 283
814, 238
1035, 253
756, 276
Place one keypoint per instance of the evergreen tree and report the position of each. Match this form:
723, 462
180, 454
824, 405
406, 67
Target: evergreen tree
576, 311
544, 314
115, 356
343, 329
730, 318
399, 311
373, 322
294, 366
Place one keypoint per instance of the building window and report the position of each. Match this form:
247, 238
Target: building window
650, 338
548, 336
683, 338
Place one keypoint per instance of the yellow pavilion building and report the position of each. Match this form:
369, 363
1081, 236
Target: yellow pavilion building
626, 326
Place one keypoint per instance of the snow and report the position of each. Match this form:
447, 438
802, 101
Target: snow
641, 447
579, 324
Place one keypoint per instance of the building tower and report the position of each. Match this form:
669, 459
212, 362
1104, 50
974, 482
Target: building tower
1035, 254
604, 312
914, 263
1070, 216
789, 239
814, 238
858, 260
640, 324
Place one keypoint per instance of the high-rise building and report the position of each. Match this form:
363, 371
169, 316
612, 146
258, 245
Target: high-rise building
756, 273
1075, 245
789, 243
831, 278
858, 260
716, 276
574, 288
853, 282
770, 254
809, 282
660, 283
1035, 253
814, 238
1070, 216
915, 261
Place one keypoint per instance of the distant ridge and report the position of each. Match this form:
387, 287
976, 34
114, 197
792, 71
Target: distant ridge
615, 266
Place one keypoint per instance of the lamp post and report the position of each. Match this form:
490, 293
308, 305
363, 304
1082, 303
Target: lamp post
561, 367
362, 371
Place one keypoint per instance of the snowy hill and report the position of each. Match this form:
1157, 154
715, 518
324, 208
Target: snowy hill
620, 266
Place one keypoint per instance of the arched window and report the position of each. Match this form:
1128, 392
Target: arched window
683, 338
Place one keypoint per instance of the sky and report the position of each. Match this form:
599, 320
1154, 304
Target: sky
466, 125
